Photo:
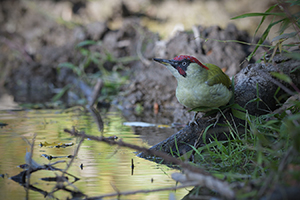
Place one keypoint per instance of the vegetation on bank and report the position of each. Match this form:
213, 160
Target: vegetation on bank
263, 158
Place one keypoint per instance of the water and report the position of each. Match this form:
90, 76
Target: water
105, 168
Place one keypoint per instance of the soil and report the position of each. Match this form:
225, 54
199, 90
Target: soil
33, 44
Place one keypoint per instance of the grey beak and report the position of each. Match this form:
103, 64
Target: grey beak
164, 61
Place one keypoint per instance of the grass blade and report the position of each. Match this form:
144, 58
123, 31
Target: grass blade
258, 15
263, 38
263, 18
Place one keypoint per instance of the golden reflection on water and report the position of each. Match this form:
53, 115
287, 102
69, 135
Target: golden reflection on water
105, 167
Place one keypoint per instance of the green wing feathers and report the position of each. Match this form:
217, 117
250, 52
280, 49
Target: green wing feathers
216, 76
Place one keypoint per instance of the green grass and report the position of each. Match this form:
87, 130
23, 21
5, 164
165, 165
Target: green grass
265, 151
259, 153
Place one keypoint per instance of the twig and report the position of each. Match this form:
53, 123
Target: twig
62, 177
208, 181
139, 47
141, 191
116, 189
197, 37
91, 101
59, 161
96, 92
29, 160
74, 156
203, 178
97, 117
136, 147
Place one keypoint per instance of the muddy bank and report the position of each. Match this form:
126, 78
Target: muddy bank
34, 45
31, 55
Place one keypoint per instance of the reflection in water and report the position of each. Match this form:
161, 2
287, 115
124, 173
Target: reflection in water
6, 102
101, 168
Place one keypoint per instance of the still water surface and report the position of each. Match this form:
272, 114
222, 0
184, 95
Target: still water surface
105, 168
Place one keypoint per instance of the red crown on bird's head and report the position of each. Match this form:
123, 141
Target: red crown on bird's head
190, 58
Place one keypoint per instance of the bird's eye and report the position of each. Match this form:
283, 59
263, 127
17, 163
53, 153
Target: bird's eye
184, 64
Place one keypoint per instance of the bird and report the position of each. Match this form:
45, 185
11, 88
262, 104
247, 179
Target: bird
202, 87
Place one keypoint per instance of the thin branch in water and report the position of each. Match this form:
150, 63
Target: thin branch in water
74, 156
30, 162
116, 189
205, 178
96, 92
90, 107
140, 191
138, 148
97, 117
63, 178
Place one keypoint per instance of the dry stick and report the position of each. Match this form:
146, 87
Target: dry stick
197, 37
141, 191
97, 117
139, 48
96, 92
68, 166
74, 156
118, 193
136, 147
205, 176
30, 165
90, 107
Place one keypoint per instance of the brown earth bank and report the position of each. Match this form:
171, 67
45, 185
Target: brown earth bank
33, 45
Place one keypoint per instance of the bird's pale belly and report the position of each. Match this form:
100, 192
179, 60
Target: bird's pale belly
204, 96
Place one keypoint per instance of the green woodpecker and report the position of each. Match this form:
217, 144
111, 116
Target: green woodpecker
201, 87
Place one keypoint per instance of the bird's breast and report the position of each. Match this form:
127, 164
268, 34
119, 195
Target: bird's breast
203, 95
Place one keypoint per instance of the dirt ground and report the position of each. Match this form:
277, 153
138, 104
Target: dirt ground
36, 36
